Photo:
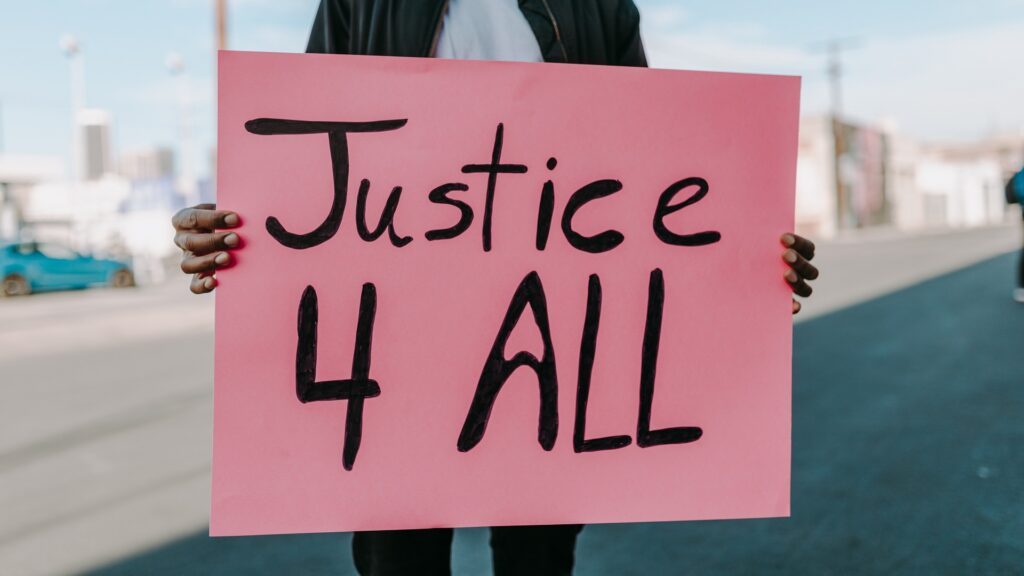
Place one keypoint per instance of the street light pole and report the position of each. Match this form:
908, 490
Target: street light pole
73, 51
186, 181
8, 222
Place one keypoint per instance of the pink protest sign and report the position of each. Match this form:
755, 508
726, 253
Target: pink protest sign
483, 294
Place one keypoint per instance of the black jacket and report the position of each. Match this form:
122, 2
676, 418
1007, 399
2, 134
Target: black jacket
577, 31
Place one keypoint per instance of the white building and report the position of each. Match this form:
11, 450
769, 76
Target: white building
887, 179
816, 203
103, 217
18, 176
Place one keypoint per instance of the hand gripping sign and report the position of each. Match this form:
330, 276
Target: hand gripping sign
496, 293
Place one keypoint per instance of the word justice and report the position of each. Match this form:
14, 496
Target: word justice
337, 139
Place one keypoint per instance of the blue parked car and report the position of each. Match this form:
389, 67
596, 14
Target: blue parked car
27, 267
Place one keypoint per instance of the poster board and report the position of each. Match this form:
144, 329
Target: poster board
575, 312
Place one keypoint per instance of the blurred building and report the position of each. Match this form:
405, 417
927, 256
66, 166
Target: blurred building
881, 178
94, 143
151, 164
19, 175
120, 209
848, 190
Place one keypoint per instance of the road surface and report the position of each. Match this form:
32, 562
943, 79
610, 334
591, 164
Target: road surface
908, 427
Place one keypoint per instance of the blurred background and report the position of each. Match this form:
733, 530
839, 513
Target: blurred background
909, 362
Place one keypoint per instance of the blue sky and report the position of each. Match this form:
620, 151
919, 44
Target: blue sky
940, 69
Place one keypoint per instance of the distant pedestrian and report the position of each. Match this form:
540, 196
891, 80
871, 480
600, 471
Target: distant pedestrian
1015, 195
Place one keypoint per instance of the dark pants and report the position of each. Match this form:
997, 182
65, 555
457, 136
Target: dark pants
1020, 270
1020, 264
516, 550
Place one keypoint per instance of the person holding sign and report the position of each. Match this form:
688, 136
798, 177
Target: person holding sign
602, 32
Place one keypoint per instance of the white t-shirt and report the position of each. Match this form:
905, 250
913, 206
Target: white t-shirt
487, 30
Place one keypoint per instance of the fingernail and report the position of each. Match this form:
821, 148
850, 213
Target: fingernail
208, 283
788, 239
221, 258
231, 219
231, 239
790, 275
796, 306
790, 256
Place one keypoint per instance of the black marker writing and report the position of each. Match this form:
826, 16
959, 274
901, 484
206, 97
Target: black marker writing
497, 370
588, 347
337, 133
646, 437
440, 195
355, 389
665, 207
387, 217
597, 243
546, 209
492, 170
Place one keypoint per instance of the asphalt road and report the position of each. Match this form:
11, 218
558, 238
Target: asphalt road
907, 436
907, 459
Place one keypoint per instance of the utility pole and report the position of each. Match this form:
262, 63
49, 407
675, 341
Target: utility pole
221, 32
834, 50
221, 9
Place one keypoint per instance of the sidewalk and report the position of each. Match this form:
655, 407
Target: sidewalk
860, 267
